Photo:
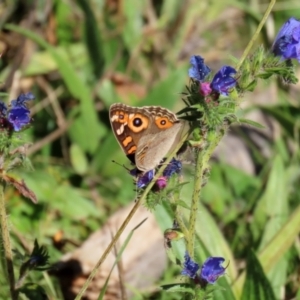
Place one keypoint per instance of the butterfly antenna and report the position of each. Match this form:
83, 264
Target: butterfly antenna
113, 161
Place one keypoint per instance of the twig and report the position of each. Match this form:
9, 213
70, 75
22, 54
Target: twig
49, 138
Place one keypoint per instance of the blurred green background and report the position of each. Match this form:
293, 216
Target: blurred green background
79, 57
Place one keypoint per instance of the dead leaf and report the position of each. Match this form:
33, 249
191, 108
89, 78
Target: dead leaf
21, 187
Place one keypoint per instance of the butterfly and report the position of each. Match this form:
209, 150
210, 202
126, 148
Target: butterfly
146, 134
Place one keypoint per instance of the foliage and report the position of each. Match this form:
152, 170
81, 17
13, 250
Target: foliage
94, 53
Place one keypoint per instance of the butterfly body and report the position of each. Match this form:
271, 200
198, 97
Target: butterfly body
146, 134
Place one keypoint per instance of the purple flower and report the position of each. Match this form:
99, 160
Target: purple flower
212, 269
173, 167
205, 89
21, 100
287, 41
199, 70
223, 80
19, 116
144, 179
160, 183
190, 268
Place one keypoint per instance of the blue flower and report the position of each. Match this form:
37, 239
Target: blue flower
199, 69
287, 41
18, 117
144, 179
173, 167
212, 269
21, 100
190, 267
223, 80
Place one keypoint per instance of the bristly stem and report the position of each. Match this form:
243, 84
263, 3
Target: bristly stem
204, 155
6, 246
202, 159
195, 201
255, 36
138, 202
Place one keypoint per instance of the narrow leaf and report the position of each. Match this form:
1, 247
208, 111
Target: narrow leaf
252, 123
178, 288
256, 286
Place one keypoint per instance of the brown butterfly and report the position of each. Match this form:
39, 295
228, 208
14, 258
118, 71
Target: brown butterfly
146, 134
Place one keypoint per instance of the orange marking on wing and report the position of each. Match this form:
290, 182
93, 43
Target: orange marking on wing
127, 141
163, 122
122, 116
131, 150
144, 123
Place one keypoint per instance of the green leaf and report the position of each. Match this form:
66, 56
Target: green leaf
276, 211
164, 93
257, 286
277, 247
178, 288
34, 291
42, 62
93, 38
132, 28
78, 159
252, 123
286, 115
182, 204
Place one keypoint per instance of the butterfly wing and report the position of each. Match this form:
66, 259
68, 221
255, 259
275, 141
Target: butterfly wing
146, 134
128, 125
154, 147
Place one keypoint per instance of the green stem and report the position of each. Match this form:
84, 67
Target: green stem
202, 159
195, 202
128, 218
203, 156
6, 245
259, 27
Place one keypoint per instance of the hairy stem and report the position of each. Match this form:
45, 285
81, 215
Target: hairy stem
202, 159
195, 201
6, 245
204, 156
